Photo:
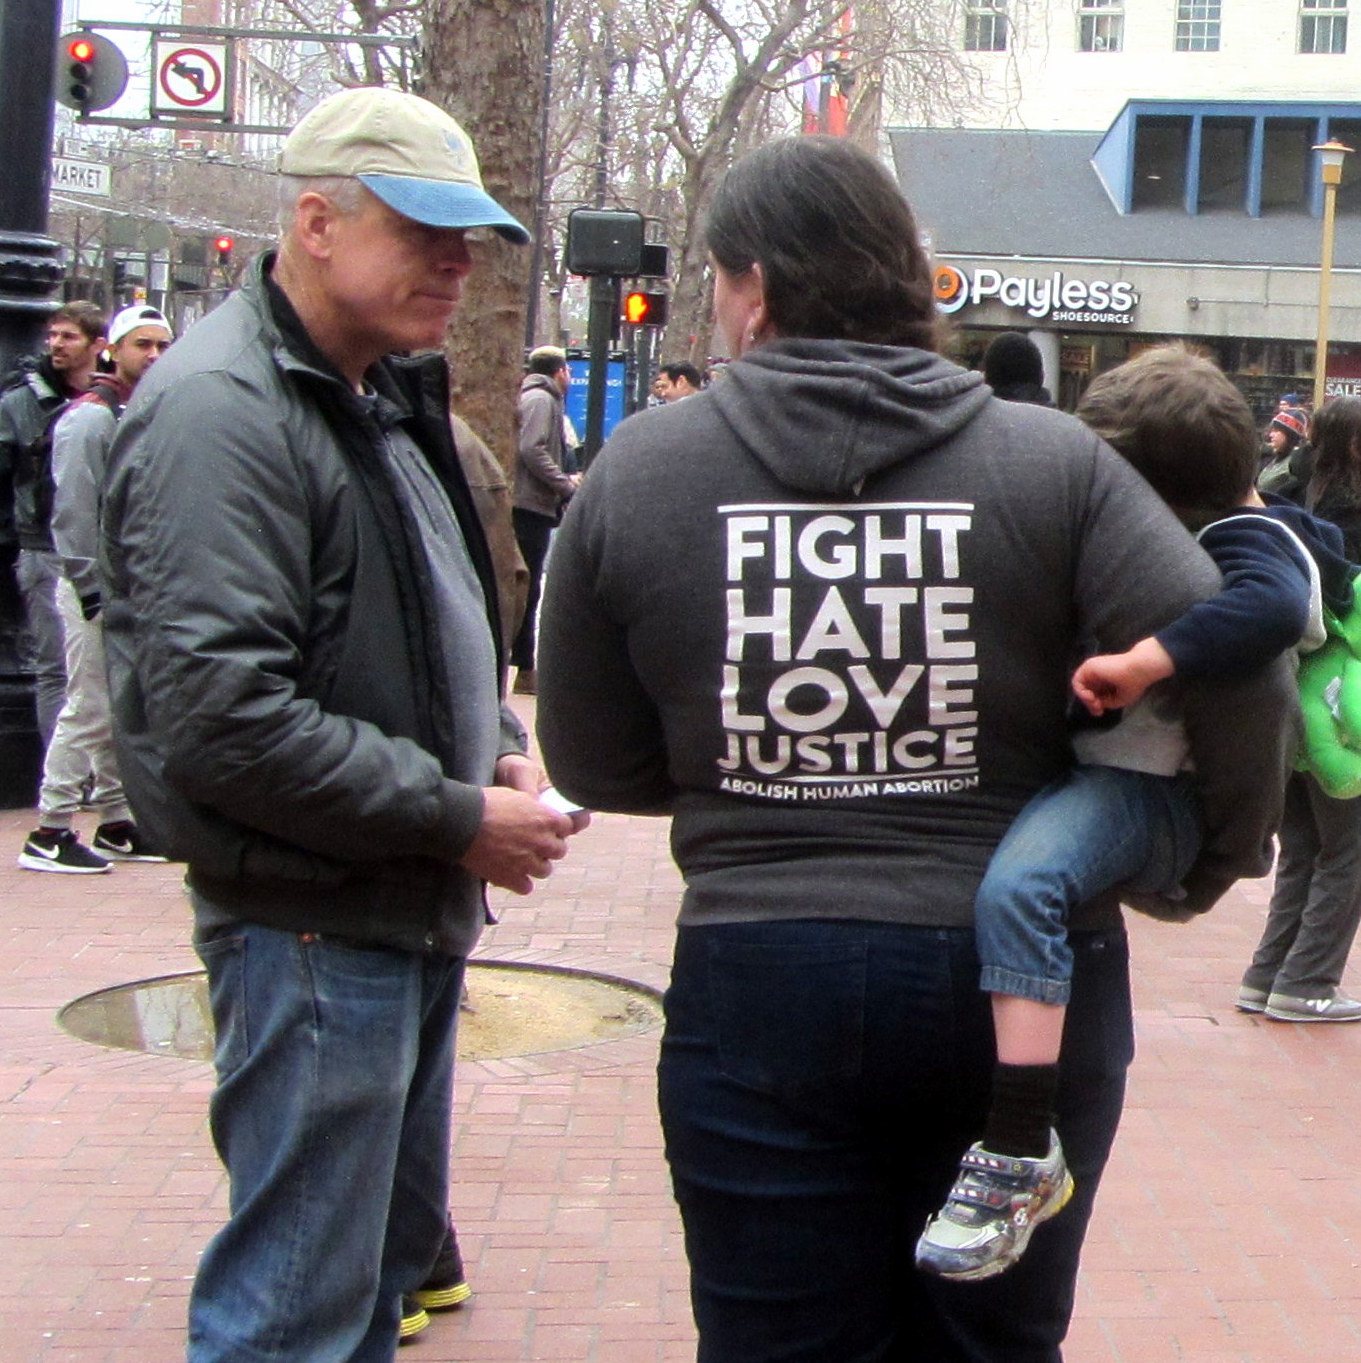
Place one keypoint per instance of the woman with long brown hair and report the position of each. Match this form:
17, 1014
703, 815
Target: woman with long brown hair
822, 614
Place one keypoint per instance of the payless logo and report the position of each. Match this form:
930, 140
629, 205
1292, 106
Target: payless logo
1053, 296
850, 667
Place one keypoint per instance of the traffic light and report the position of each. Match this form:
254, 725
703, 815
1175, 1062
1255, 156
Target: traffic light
223, 246
92, 72
645, 308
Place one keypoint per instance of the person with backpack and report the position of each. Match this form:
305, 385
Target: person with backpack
28, 411
1296, 970
81, 749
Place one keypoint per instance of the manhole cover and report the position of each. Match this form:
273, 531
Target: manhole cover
509, 1010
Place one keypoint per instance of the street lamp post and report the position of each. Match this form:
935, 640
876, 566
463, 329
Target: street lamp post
30, 276
1331, 155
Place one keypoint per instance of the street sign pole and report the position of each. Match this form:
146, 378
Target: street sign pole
599, 333
30, 275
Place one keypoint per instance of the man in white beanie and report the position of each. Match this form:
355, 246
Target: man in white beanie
81, 766
304, 650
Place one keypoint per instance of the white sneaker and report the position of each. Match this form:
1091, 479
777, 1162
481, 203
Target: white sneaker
1334, 1007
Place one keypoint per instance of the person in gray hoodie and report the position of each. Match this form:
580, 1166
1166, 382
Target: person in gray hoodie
813, 615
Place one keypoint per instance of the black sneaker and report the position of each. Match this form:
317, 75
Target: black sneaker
60, 849
414, 1320
446, 1288
123, 841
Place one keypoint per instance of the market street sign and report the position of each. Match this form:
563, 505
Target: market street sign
80, 177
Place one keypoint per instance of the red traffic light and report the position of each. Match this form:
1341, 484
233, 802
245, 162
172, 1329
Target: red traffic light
645, 308
223, 245
92, 72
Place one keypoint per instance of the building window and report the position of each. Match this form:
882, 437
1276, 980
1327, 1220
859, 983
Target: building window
1161, 146
985, 26
1287, 164
1225, 151
1323, 26
1197, 25
1101, 26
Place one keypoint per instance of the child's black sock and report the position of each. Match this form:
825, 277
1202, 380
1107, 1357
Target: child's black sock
1022, 1112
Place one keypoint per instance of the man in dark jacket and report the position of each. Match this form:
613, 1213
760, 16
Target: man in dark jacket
75, 338
541, 488
302, 635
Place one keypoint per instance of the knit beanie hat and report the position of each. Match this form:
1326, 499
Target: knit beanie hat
1293, 421
1013, 358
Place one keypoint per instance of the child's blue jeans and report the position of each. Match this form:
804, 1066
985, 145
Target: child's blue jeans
1090, 831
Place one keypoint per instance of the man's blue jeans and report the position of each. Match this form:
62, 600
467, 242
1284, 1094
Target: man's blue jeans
818, 1083
332, 1116
1086, 833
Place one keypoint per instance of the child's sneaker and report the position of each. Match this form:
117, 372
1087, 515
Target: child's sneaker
997, 1201
60, 849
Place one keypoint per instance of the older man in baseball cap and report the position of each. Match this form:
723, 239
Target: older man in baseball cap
304, 648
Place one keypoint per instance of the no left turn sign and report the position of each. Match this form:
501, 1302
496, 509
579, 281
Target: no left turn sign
190, 76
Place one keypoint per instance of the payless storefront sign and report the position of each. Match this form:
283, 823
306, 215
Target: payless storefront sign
1053, 297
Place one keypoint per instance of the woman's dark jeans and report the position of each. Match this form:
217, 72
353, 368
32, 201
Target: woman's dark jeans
818, 1083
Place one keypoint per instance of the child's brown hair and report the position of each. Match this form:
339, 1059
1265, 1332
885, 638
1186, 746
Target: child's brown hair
1183, 425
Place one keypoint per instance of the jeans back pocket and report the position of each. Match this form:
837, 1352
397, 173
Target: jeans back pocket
788, 1016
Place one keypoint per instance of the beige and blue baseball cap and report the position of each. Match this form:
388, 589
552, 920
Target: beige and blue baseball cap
404, 149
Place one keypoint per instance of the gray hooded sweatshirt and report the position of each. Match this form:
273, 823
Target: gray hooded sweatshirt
825, 613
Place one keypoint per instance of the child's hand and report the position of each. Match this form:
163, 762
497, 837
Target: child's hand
1111, 681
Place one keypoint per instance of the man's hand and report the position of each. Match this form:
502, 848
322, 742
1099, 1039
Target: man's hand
1112, 681
520, 838
519, 772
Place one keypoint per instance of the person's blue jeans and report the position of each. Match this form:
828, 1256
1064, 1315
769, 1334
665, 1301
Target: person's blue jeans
817, 1083
332, 1116
1092, 830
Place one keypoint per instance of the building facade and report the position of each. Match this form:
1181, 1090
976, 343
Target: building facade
1071, 64
1176, 197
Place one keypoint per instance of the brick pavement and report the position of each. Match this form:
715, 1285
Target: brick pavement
1227, 1231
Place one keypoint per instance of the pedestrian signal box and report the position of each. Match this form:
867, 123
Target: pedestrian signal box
604, 241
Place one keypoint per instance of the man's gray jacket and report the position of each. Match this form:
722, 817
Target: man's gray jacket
282, 708
540, 484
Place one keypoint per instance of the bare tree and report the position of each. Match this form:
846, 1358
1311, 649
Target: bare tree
665, 100
483, 59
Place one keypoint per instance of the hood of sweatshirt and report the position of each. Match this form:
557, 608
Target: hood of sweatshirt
824, 416
541, 382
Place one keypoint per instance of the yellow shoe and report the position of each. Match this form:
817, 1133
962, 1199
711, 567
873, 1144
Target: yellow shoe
414, 1320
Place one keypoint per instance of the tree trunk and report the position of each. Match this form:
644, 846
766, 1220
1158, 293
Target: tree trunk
483, 63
